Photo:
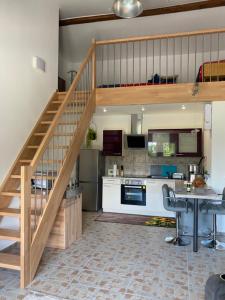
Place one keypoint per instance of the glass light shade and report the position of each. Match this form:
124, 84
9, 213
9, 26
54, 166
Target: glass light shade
127, 8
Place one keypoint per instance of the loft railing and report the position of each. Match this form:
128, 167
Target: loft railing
162, 59
44, 179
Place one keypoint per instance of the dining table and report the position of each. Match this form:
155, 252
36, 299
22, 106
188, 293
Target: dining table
205, 193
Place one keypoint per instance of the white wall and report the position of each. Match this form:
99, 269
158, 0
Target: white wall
27, 28
218, 146
218, 153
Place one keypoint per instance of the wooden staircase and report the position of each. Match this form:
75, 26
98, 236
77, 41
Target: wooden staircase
42, 170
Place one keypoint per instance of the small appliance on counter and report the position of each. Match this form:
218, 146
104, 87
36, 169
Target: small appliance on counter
192, 172
162, 171
178, 176
115, 170
110, 172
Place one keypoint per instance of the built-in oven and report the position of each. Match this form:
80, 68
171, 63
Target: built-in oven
133, 192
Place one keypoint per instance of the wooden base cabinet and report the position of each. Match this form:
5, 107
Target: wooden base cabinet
68, 224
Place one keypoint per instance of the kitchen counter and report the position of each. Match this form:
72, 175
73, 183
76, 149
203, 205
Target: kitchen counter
112, 195
141, 177
154, 202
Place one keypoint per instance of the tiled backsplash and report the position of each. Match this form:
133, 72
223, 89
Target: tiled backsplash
137, 162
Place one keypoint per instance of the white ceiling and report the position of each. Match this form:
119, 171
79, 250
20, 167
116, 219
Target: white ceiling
76, 8
149, 109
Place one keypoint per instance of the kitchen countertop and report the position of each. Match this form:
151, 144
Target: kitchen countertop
205, 193
141, 177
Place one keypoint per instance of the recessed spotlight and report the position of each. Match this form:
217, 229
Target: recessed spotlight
104, 110
183, 107
143, 109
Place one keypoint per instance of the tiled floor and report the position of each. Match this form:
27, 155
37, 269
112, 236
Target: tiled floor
116, 261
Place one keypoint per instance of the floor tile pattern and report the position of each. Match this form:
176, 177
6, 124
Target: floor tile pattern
118, 262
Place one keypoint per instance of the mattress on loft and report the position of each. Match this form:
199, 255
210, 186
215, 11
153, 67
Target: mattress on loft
213, 69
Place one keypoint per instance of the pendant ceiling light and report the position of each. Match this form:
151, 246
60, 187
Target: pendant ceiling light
127, 8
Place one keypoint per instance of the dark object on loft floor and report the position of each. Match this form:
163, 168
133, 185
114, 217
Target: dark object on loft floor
215, 287
157, 79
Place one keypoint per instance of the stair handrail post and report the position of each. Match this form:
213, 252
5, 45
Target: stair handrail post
25, 225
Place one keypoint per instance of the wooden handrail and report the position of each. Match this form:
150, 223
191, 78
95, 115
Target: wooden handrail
51, 129
159, 36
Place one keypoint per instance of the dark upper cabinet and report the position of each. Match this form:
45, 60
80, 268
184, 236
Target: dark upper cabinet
175, 142
112, 142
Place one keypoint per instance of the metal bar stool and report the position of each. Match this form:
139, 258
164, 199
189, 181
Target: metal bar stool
214, 208
171, 203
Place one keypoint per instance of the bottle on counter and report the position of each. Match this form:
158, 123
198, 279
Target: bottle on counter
115, 170
121, 171
188, 186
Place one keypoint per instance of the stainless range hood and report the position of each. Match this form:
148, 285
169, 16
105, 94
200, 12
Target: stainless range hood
136, 140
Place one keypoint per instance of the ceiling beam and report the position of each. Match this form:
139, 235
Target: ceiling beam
146, 13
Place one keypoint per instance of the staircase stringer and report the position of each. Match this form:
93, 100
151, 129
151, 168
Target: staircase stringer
46, 222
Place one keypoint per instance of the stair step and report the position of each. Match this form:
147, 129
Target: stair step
15, 176
9, 234
59, 147
63, 134
50, 112
67, 111
32, 147
10, 212
50, 161
46, 122
25, 161
34, 177
40, 134
44, 177
73, 111
10, 261
73, 101
38, 176
67, 123
11, 194
39, 193
15, 212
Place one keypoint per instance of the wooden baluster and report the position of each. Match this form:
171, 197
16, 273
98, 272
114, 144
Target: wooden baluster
94, 66
25, 225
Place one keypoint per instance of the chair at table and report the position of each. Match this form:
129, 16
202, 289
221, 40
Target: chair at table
214, 208
171, 203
